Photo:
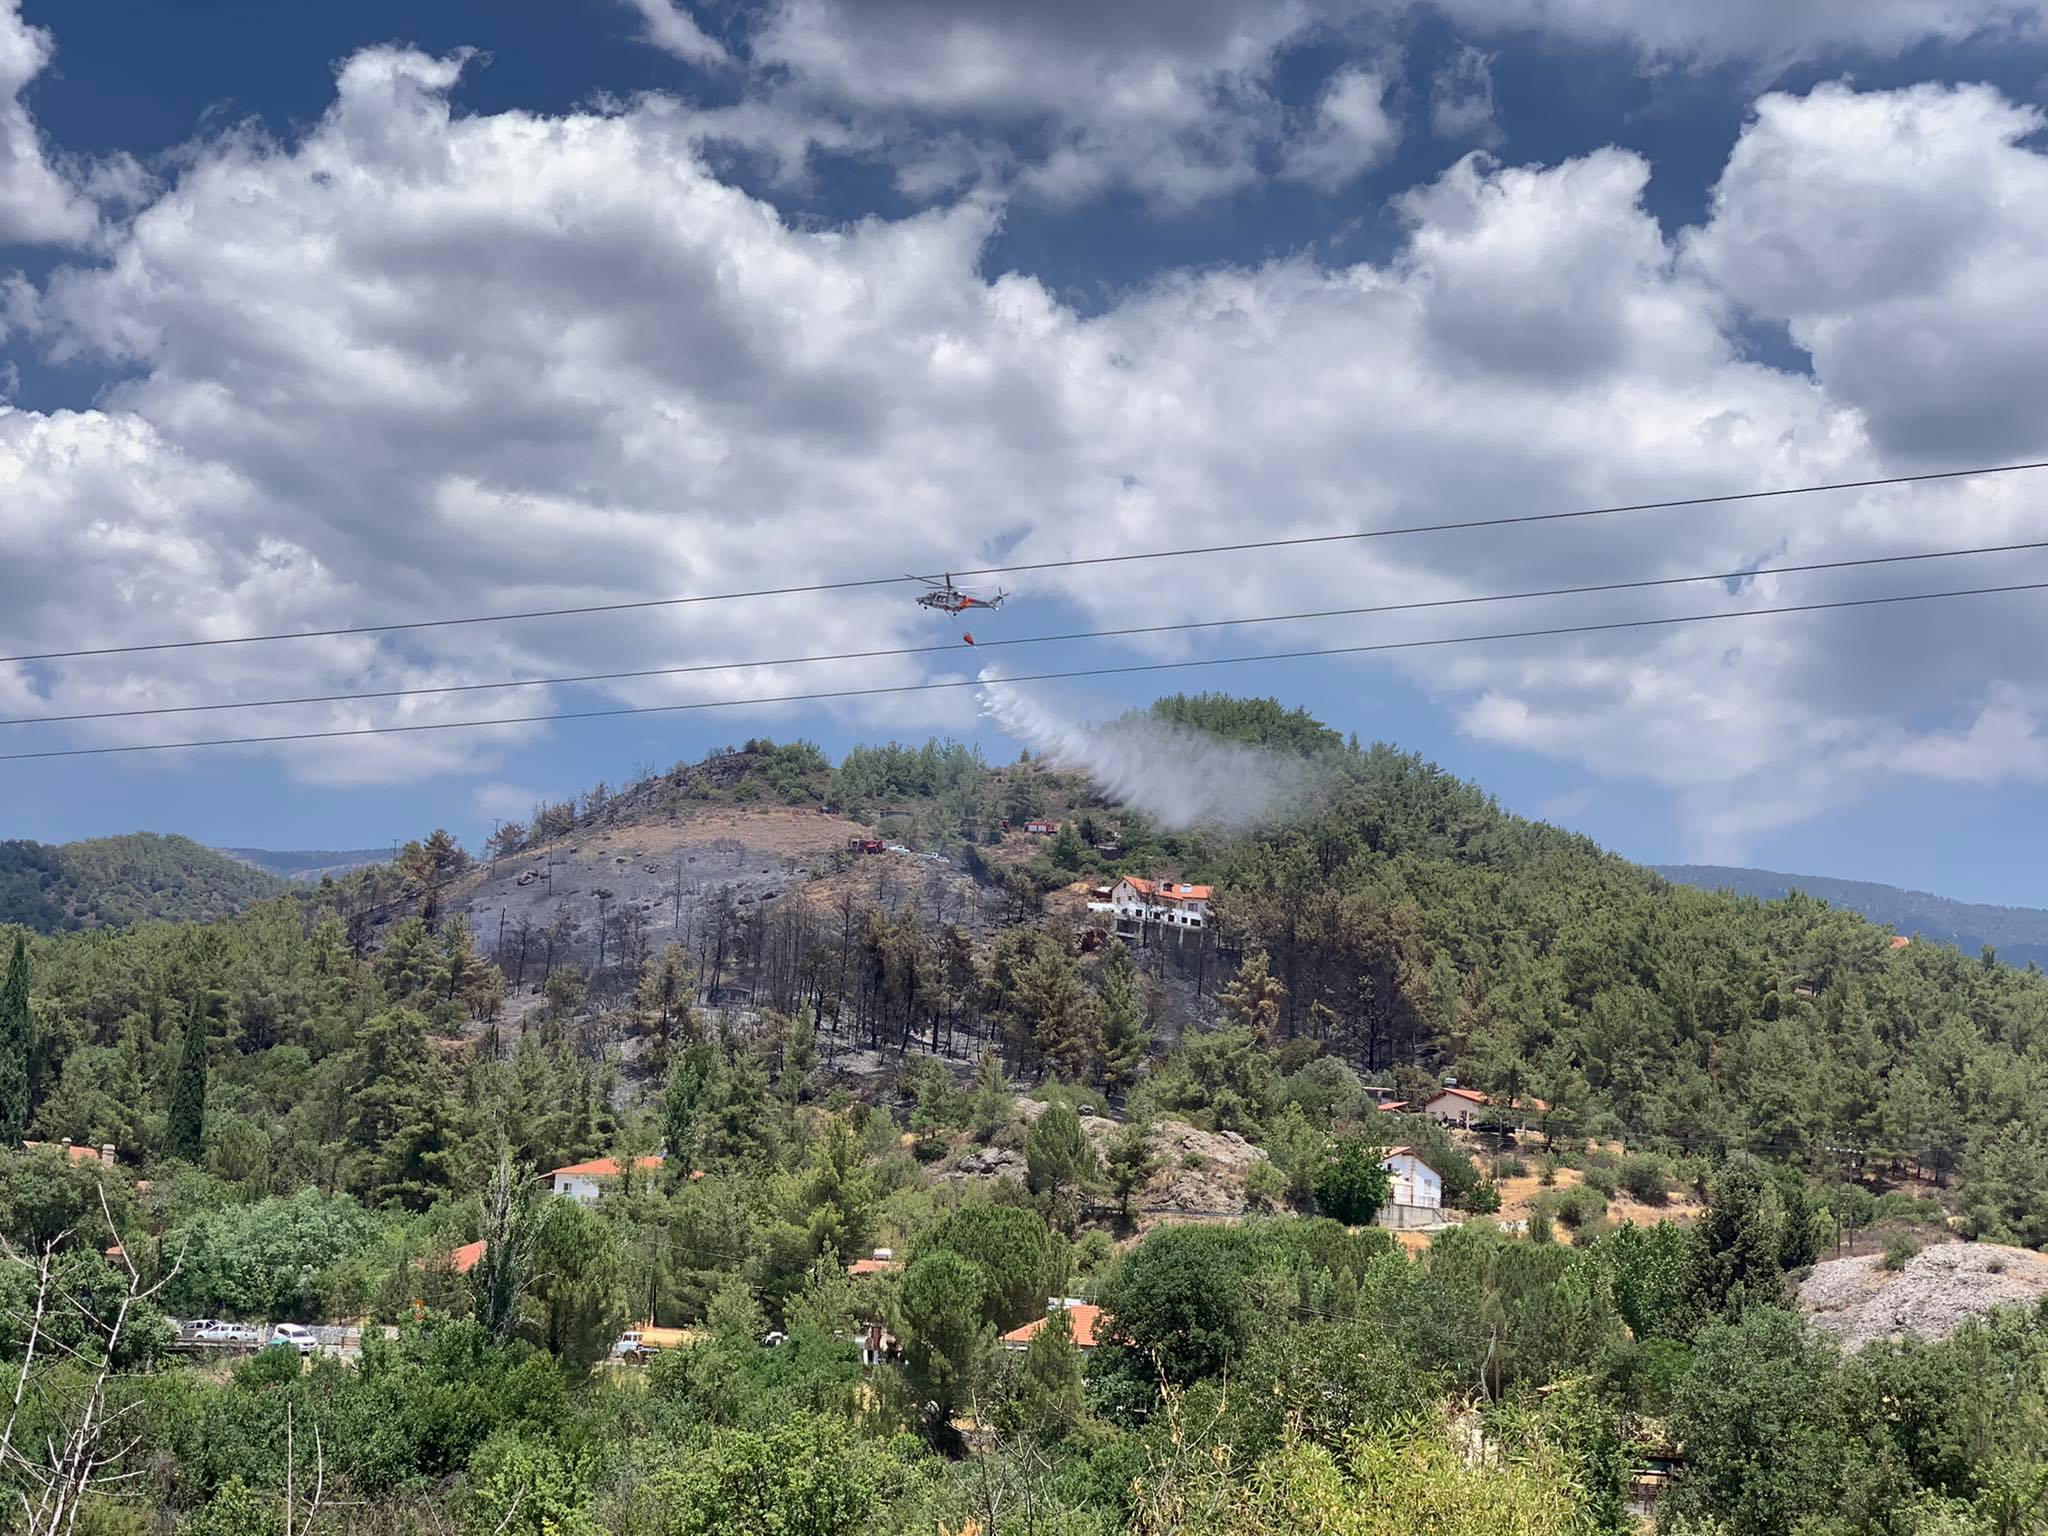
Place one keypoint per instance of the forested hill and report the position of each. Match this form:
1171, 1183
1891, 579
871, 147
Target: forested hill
2019, 934
307, 865
113, 881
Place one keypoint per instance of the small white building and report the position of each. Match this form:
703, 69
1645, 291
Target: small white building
1457, 1106
1411, 1181
584, 1182
1173, 903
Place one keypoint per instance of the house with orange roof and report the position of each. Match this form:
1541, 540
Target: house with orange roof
1900, 940
1415, 1191
1084, 1318
1174, 903
77, 1153
584, 1182
882, 1263
1468, 1107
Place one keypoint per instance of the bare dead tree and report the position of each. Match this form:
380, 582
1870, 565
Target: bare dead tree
51, 1487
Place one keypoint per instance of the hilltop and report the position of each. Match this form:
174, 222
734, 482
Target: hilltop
2019, 934
113, 881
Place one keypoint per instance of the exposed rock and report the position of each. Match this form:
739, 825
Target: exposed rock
1938, 1290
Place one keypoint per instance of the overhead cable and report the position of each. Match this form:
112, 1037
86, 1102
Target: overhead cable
1016, 640
1126, 669
1071, 563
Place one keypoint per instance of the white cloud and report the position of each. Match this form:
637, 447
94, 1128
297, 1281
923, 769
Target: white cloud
1765, 31
39, 204
671, 28
1352, 131
1461, 102
1899, 235
425, 363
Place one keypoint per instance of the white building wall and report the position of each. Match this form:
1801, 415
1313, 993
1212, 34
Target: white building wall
578, 1187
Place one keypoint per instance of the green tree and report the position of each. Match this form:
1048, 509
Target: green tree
812, 1475
1761, 1417
1351, 1185
1129, 1161
1050, 1399
1067, 848
1125, 1038
185, 1130
1651, 1266
945, 1342
1180, 1301
1737, 1242
1253, 999
1058, 1159
16, 1046
1021, 1260
516, 1212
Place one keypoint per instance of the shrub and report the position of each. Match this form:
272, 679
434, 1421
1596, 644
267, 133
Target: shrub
1647, 1177
1484, 1199
1512, 1167
1539, 1226
1581, 1206
1265, 1186
1546, 1169
1605, 1179
1899, 1248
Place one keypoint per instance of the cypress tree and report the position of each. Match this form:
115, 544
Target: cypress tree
15, 1045
185, 1132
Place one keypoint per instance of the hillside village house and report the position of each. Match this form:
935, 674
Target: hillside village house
1411, 1181
584, 1182
1468, 1106
1171, 902
78, 1152
1083, 1318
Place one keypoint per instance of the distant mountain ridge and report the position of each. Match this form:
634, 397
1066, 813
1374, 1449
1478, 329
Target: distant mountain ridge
307, 864
2019, 934
113, 881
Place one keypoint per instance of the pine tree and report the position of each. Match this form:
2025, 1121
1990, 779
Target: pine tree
185, 1131
1125, 1039
1252, 1000
15, 1046
1051, 1397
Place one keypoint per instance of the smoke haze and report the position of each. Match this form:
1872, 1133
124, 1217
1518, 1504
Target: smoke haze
1175, 775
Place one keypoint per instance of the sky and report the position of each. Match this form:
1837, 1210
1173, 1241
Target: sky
336, 316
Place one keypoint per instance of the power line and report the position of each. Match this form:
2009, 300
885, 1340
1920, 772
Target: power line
1090, 634
1040, 677
1038, 565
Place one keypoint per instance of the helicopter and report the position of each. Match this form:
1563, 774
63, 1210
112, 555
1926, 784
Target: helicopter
944, 597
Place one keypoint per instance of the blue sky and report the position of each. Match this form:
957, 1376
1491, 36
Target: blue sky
317, 315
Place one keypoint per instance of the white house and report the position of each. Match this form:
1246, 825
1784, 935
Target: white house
1411, 1181
1171, 902
1456, 1106
584, 1182
1467, 1106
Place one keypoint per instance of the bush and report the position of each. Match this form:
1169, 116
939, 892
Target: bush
1581, 1206
1539, 1226
1647, 1177
1899, 1248
1265, 1186
1484, 1199
1546, 1169
1512, 1167
1605, 1179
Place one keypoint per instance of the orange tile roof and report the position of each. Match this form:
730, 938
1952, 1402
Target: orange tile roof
1395, 1104
874, 1267
465, 1258
1900, 941
1168, 890
74, 1150
1085, 1318
605, 1167
1467, 1093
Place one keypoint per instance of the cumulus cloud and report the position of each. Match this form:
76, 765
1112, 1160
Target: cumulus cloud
417, 362
1898, 235
671, 28
39, 203
1353, 131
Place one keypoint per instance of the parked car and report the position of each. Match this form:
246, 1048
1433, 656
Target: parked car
230, 1335
191, 1328
294, 1336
